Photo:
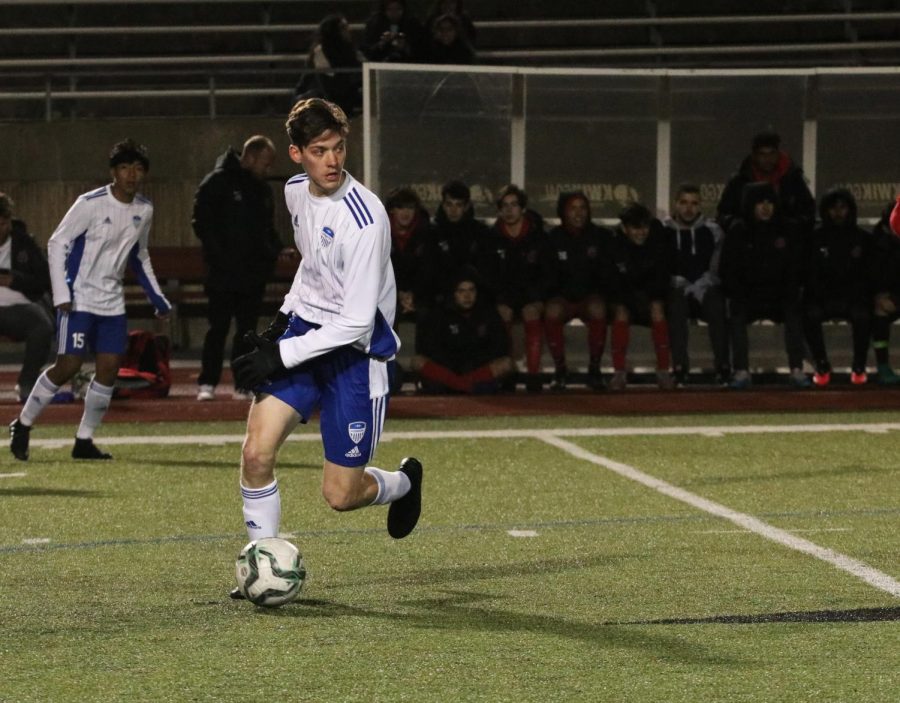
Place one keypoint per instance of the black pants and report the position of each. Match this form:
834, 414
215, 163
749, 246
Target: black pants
32, 324
787, 311
223, 306
859, 314
681, 309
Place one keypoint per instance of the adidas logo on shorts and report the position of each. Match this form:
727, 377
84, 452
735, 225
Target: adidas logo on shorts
353, 453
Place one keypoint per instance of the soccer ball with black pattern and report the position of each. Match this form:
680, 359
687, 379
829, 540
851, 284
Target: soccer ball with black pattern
270, 572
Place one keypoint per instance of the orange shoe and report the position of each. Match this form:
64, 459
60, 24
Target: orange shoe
858, 378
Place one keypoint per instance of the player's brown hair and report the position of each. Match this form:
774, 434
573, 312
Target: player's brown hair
311, 118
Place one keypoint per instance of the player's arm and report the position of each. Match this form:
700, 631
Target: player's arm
75, 223
139, 260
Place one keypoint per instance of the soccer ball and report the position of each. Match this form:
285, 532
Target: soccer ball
270, 572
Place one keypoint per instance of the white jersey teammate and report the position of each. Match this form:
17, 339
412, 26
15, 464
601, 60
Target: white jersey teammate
103, 232
331, 342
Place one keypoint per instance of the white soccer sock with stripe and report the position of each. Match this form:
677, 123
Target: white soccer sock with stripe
39, 398
96, 403
262, 510
391, 485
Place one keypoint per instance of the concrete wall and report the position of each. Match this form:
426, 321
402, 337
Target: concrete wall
45, 166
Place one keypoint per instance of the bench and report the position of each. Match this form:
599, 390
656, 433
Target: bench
181, 272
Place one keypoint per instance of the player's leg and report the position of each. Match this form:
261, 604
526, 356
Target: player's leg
659, 333
594, 317
884, 313
532, 321
354, 404
73, 328
556, 315
621, 333
678, 316
269, 423
31, 324
108, 337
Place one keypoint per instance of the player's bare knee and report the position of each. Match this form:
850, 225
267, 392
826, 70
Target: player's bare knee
256, 462
338, 499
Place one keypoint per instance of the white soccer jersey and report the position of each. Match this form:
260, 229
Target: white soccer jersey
98, 237
345, 281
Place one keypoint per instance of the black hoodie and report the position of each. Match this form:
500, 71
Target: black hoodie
838, 254
760, 263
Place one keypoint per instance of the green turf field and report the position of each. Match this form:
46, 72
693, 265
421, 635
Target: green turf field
537, 573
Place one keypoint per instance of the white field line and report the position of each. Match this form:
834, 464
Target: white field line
862, 571
17, 474
313, 436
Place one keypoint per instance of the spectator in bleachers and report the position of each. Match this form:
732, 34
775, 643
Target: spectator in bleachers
448, 44
884, 270
410, 233
234, 219
695, 245
454, 241
462, 345
767, 163
456, 9
641, 256
393, 34
837, 284
580, 275
509, 261
761, 277
24, 281
333, 48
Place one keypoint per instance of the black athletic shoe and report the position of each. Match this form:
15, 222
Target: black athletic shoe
404, 513
86, 449
19, 435
235, 594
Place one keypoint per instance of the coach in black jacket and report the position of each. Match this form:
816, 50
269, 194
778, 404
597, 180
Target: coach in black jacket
24, 280
234, 219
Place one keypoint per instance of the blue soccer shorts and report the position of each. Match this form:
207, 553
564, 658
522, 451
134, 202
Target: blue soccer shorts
80, 332
338, 383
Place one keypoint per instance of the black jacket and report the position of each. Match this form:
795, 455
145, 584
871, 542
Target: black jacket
234, 219
451, 247
461, 341
761, 262
578, 265
510, 267
836, 261
883, 264
28, 266
643, 269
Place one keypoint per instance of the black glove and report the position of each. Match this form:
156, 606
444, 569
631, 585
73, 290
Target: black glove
253, 369
277, 327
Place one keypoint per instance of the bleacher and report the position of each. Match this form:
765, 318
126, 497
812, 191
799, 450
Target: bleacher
63, 59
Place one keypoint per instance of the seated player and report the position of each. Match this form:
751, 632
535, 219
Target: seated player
640, 253
462, 346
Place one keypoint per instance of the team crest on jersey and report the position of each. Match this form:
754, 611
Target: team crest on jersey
136, 221
356, 430
327, 237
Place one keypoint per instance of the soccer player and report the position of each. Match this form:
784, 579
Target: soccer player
330, 342
104, 231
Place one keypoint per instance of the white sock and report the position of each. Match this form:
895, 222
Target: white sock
96, 403
391, 484
262, 510
39, 398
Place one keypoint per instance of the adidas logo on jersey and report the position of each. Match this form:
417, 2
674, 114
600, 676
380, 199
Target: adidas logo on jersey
353, 453
107, 221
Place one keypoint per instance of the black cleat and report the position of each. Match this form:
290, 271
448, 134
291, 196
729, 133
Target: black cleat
86, 449
235, 594
404, 512
19, 435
